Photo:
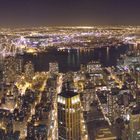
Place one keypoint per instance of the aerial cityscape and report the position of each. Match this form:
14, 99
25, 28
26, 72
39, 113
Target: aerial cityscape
70, 79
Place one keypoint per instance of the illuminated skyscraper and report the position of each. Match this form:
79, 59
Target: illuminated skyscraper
29, 71
134, 127
11, 69
112, 106
69, 116
93, 66
53, 67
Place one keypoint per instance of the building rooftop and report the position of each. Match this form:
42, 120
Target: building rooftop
136, 110
68, 94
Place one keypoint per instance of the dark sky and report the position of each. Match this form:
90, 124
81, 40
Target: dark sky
69, 12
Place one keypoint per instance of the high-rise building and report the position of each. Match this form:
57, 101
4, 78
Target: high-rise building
69, 116
104, 132
1, 69
93, 66
138, 97
112, 105
36, 132
53, 67
11, 69
137, 73
134, 126
29, 70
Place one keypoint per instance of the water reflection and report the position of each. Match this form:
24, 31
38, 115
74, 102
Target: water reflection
72, 59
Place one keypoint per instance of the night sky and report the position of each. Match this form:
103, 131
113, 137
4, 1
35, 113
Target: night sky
69, 12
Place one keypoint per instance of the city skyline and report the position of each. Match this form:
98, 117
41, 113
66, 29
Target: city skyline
69, 70
70, 83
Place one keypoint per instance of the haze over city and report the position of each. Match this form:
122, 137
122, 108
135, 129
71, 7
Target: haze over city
68, 12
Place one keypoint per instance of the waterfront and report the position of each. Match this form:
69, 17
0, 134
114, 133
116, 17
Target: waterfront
71, 61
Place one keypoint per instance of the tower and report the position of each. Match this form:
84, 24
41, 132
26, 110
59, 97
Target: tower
11, 69
69, 116
111, 101
29, 70
134, 126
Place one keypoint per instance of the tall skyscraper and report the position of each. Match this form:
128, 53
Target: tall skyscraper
134, 127
112, 105
29, 70
12, 67
69, 116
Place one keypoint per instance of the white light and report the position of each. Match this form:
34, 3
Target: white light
128, 117
75, 100
61, 100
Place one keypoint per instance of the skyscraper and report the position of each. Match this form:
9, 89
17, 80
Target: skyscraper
134, 127
69, 116
12, 67
112, 105
29, 71
53, 67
